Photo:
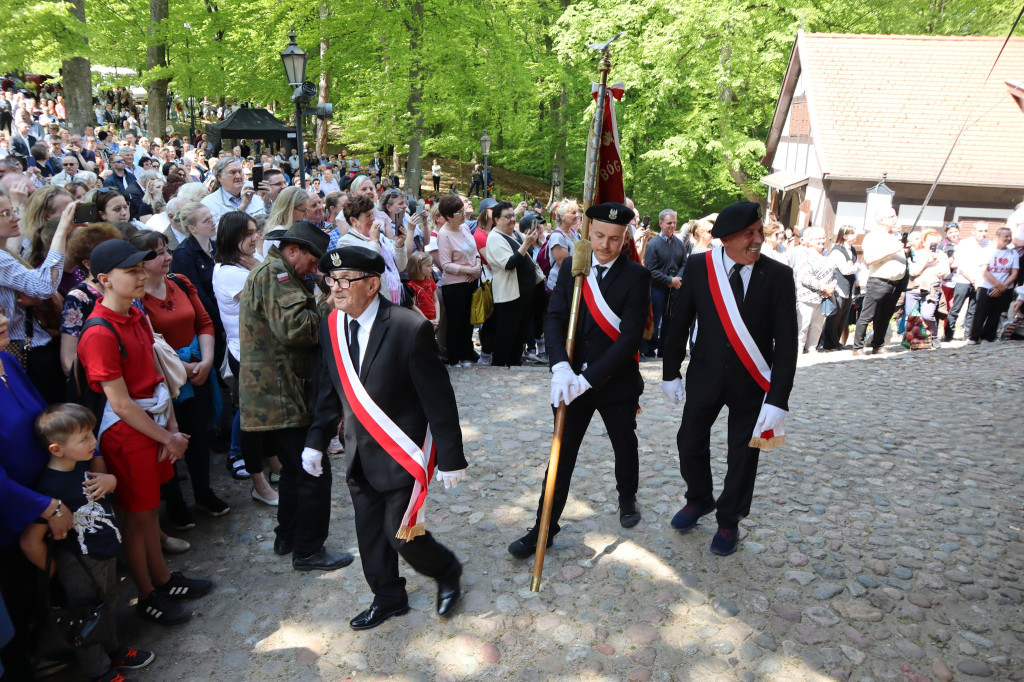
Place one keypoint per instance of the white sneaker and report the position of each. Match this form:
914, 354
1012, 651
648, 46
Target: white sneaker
175, 545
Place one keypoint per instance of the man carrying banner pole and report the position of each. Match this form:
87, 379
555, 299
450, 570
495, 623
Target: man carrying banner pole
380, 362
744, 357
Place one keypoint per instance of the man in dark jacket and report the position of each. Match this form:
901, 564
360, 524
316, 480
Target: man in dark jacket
380, 363
126, 183
604, 375
665, 257
744, 358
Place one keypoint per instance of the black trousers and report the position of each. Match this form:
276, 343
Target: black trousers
989, 310
19, 585
962, 293
879, 304
694, 441
304, 507
378, 517
458, 331
511, 320
620, 423
832, 331
45, 372
436, 179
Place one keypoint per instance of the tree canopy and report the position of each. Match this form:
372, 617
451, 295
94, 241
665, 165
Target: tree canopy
701, 78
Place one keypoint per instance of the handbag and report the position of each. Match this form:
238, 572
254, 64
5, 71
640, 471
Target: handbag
61, 630
168, 365
482, 304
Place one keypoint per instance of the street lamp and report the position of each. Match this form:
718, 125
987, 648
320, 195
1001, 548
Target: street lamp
485, 148
878, 197
294, 60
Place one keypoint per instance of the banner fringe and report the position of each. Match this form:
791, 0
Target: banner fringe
767, 443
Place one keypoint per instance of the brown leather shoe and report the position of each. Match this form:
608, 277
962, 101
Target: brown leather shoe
858, 352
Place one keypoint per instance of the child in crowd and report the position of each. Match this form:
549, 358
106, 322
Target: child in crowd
76, 475
996, 290
421, 280
138, 433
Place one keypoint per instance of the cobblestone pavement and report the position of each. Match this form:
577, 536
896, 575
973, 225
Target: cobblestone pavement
885, 542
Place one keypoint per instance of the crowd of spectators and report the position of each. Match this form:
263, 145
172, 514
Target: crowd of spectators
114, 244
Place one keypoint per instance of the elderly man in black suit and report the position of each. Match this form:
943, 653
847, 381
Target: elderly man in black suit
124, 181
381, 363
744, 357
604, 375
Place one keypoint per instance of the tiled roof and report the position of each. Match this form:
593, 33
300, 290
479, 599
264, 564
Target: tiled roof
895, 103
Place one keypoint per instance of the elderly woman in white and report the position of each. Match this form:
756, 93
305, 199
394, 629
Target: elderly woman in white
815, 281
368, 232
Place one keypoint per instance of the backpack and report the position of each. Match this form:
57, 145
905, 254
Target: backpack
544, 256
78, 390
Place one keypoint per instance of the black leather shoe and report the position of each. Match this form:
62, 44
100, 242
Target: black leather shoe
629, 515
282, 547
527, 545
375, 615
448, 592
322, 560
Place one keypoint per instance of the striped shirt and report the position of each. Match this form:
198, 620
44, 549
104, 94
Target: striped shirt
15, 278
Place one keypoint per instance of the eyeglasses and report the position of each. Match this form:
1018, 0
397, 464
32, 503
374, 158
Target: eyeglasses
461, 214
509, 217
344, 282
9, 213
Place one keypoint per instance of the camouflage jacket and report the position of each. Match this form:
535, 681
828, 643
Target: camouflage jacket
278, 333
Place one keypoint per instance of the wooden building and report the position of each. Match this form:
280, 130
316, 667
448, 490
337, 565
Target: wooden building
856, 107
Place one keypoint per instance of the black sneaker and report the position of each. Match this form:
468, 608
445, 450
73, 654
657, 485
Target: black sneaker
161, 610
180, 517
526, 546
131, 659
212, 505
179, 587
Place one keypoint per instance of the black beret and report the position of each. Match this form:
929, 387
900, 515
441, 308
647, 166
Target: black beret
611, 212
352, 258
737, 217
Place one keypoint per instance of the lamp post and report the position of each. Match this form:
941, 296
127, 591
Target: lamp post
878, 197
485, 148
556, 184
294, 60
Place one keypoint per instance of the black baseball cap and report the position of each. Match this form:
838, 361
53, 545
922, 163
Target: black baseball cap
527, 220
116, 253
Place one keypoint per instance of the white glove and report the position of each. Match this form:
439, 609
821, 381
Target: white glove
577, 387
311, 461
561, 379
770, 419
673, 390
451, 478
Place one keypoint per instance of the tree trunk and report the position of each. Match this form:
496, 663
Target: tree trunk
561, 139
415, 163
325, 84
156, 56
77, 81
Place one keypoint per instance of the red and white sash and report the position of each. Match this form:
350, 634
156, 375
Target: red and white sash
740, 338
419, 462
599, 309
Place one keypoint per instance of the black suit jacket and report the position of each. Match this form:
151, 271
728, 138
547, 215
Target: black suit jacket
21, 149
403, 373
769, 311
134, 191
611, 367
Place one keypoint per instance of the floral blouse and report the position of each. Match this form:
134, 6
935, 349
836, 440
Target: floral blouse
78, 305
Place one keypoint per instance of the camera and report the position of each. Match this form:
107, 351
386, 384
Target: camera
933, 248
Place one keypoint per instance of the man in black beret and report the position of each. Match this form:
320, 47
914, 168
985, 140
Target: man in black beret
744, 357
604, 375
385, 369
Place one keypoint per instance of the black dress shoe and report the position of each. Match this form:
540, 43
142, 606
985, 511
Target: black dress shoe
448, 591
527, 545
629, 515
322, 560
282, 547
375, 615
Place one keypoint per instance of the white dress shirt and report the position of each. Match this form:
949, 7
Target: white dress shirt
365, 324
745, 271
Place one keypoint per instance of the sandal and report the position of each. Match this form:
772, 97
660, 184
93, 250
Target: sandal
236, 467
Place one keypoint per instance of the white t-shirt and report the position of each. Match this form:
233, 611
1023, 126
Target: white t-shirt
557, 238
969, 256
1000, 263
435, 170
228, 281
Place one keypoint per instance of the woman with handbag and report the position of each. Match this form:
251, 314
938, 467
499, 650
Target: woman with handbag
516, 277
843, 258
22, 459
460, 263
22, 291
176, 312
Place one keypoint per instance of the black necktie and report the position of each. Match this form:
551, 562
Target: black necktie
736, 282
353, 343
600, 272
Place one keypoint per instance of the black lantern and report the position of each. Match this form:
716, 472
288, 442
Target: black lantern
556, 180
485, 144
485, 147
294, 60
878, 197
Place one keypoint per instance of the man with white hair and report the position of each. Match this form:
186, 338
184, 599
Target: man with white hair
166, 222
970, 257
886, 258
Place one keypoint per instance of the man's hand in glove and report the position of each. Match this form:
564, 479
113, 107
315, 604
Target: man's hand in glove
770, 419
673, 390
311, 461
451, 478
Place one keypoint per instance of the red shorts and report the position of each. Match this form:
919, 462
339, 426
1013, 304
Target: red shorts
131, 457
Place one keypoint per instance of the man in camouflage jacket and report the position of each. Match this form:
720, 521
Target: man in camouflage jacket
278, 329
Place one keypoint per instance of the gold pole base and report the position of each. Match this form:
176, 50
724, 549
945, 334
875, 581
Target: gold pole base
535, 584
